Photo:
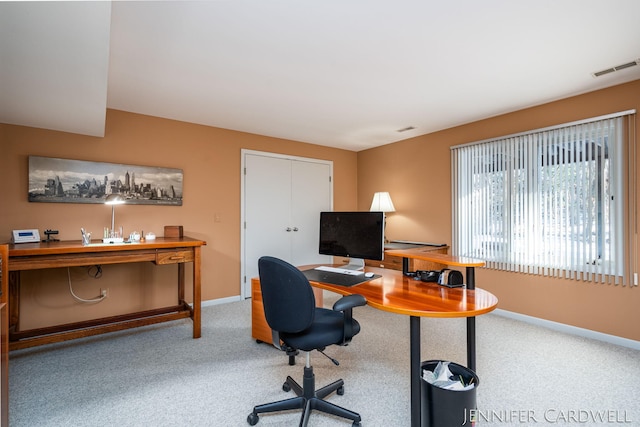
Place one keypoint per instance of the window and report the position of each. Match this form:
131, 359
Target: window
553, 201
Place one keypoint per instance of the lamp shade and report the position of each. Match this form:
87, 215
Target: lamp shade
114, 199
382, 202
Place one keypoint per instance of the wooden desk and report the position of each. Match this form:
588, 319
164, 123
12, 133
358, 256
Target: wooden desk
31, 256
396, 292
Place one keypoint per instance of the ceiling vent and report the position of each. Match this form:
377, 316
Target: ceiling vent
617, 68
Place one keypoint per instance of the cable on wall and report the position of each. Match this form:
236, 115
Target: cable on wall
97, 299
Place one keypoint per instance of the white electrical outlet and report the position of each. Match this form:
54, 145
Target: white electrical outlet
103, 293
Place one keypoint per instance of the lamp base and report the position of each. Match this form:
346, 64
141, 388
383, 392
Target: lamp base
113, 240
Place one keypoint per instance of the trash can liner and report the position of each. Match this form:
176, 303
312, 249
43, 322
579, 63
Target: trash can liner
448, 394
442, 377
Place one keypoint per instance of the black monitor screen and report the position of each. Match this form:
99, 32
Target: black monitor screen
352, 234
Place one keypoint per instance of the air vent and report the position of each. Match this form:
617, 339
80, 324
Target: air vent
406, 129
617, 68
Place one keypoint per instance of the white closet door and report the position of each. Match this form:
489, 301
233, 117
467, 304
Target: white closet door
311, 194
267, 211
283, 198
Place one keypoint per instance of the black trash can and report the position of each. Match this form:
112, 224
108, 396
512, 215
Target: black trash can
448, 408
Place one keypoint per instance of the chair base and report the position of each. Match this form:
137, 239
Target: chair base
307, 399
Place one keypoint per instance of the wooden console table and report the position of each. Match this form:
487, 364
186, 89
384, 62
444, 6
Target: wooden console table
32, 256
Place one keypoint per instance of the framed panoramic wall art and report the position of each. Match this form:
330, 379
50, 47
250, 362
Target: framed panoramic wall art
53, 180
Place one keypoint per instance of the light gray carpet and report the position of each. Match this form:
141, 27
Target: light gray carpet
160, 376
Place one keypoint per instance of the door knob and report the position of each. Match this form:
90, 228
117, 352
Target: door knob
288, 229
295, 228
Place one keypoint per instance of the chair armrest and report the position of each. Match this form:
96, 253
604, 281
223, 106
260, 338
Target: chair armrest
349, 301
345, 305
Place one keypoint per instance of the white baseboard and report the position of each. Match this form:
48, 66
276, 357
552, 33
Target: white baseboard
574, 330
219, 301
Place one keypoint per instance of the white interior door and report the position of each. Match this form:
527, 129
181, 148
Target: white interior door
267, 212
282, 200
311, 194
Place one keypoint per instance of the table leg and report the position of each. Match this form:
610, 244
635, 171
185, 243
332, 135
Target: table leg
181, 283
197, 296
414, 332
471, 343
13, 301
405, 266
471, 277
471, 324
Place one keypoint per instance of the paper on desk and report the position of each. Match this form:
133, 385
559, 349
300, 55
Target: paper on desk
443, 378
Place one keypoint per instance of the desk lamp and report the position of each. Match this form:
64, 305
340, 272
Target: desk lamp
382, 203
113, 200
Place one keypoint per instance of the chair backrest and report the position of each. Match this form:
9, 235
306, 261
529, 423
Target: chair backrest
287, 296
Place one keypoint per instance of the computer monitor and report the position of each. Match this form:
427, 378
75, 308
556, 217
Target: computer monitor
357, 235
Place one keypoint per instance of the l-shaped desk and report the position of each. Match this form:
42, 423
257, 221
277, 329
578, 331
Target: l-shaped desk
162, 250
399, 293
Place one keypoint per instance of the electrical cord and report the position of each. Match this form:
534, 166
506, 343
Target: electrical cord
95, 274
98, 299
98, 271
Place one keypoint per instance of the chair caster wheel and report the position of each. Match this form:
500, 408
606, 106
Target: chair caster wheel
356, 424
340, 391
286, 387
252, 419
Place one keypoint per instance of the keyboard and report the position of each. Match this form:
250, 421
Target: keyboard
334, 278
340, 270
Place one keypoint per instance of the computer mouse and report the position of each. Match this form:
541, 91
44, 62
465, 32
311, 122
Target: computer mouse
368, 274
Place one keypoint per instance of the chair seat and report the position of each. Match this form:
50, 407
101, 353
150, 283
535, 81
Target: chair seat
326, 330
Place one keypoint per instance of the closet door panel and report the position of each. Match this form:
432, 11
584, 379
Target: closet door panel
267, 210
310, 194
283, 198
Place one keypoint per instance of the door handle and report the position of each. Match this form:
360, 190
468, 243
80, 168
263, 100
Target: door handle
288, 229
295, 228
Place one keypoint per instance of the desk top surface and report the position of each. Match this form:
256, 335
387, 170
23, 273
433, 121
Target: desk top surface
75, 246
397, 293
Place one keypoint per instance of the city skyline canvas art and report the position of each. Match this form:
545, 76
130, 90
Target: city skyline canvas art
54, 180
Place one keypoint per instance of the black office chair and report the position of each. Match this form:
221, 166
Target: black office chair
297, 324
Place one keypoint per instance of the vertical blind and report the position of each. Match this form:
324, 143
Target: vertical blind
556, 201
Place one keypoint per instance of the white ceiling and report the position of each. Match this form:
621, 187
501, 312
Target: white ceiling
341, 73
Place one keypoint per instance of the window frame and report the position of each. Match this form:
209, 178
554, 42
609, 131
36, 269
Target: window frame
529, 155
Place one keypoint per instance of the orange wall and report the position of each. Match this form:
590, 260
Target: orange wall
210, 159
417, 173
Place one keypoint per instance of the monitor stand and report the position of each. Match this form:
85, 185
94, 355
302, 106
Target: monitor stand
355, 264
